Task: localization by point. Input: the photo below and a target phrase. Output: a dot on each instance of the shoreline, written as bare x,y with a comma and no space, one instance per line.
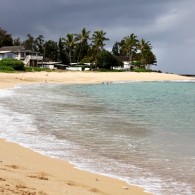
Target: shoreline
40,174
8,80
47,175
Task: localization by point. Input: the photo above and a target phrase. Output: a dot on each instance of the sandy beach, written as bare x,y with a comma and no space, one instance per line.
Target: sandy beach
25,172
12,79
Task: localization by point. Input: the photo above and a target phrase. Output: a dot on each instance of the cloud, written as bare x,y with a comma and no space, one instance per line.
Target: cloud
167,24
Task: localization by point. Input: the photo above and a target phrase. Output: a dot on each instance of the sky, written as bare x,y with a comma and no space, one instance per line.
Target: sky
167,24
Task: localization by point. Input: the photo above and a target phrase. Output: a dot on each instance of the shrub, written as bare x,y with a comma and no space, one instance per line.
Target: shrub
15,64
87,59
6,69
141,70
106,60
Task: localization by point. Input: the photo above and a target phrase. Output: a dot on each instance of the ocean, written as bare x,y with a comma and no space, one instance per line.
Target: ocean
140,132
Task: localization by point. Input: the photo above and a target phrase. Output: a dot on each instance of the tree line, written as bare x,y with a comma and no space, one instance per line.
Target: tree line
86,47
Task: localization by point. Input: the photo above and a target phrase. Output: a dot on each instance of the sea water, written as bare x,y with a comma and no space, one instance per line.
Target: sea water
140,132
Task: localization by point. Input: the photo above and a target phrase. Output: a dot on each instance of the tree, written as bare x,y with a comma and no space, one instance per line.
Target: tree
130,45
62,53
38,44
17,42
147,56
5,38
82,38
98,39
106,60
29,43
144,45
116,49
75,48
90,57
70,43
148,59
51,50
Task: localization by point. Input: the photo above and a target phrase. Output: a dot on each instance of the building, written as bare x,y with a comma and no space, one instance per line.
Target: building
126,63
52,65
7,54
29,57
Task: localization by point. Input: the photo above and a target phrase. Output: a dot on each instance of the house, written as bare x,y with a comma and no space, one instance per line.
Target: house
7,54
52,65
79,67
29,57
75,68
126,63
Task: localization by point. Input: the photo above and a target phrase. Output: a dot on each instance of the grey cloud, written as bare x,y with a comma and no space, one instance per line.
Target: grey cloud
166,24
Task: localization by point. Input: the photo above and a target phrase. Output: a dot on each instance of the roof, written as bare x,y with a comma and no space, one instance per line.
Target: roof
7,52
12,48
123,58
50,63
16,49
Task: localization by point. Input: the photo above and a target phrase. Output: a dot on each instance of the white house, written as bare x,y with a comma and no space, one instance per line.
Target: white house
74,68
29,57
126,63
7,54
52,65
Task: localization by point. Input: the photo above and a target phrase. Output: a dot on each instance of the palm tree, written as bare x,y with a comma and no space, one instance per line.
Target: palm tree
98,39
143,45
70,43
82,38
130,45
145,48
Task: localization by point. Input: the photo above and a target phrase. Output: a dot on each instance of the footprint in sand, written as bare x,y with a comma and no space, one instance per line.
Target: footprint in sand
71,183
13,166
90,189
41,176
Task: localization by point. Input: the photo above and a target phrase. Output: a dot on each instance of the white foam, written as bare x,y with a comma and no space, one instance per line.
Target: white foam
158,81
6,93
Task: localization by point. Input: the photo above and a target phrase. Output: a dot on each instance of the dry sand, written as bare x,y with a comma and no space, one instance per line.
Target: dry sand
10,80
25,172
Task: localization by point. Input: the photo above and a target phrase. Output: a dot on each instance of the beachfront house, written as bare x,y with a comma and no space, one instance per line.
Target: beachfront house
126,63
7,54
29,57
78,67
52,65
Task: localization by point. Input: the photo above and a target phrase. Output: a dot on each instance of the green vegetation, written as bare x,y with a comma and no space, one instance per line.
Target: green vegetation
139,52
106,60
5,38
13,63
142,70
6,69
129,45
87,47
82,39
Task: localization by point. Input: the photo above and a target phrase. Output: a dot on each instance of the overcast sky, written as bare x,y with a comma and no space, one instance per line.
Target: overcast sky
167,24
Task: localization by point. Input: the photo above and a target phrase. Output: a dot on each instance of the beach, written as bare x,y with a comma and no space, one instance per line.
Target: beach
23,171
12,79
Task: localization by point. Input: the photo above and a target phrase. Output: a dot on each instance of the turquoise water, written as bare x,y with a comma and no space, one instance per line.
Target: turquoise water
141,132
